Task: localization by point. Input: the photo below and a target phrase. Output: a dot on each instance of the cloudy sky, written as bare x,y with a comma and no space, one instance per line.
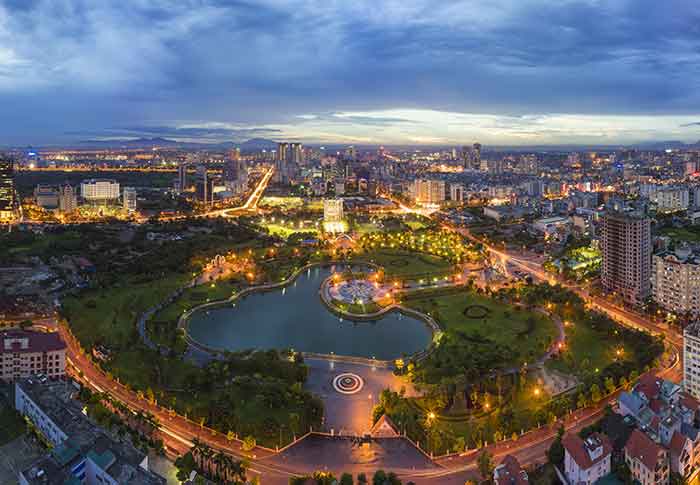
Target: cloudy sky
502,72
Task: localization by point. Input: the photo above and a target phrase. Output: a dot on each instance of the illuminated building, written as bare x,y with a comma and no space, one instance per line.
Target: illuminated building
428,191
24,353
8,196
626,246
333,215
181,184
129,199
46,196
456,192
67,199
205,186
675,281
99,190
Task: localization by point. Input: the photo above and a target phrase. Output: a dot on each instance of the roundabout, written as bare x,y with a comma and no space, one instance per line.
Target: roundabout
348,383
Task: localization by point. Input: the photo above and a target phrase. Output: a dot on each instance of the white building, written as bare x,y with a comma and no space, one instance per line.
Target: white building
333,215
129,199
671,199
675,281
99,190
586,461
24,353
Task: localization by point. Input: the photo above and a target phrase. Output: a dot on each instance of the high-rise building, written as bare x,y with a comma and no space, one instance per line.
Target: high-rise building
129,199
296,153
476,155
67,199
333,215
626,246
8,196
428,191
282,149
205,186
675,281
181,184
456,192
691,359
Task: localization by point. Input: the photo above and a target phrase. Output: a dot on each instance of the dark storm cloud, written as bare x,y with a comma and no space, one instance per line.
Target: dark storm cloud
90,65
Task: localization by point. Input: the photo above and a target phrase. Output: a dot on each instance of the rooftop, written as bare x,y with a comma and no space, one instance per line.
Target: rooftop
24,341
117,457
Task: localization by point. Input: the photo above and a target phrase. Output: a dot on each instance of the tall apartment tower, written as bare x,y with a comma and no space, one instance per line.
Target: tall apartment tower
67,199
181,184
129,199
691,359
626,245
8,196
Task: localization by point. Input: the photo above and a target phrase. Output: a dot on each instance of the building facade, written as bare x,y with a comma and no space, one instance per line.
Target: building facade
129,199
675,281
626,247
691,360
647,461
586,461
428,191
99,190
25,353
67,199
8,196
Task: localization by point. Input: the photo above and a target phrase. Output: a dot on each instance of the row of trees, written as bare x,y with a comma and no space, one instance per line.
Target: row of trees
380,477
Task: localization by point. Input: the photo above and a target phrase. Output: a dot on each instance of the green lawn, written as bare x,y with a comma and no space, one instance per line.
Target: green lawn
399,263
524,331
109,316
588,350
286,231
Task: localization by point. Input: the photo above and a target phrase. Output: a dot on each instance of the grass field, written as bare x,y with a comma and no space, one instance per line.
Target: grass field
286,231
109,316
397,262
523,330
588,350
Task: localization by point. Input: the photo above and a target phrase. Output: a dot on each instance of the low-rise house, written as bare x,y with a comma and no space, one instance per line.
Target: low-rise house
648,461
509,472
586,461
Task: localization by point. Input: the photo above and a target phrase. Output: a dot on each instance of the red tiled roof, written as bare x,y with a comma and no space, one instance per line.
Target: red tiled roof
38,341
511,473
656,405
576,447
689,402
649,385
640,446
677,443
655,421
384,428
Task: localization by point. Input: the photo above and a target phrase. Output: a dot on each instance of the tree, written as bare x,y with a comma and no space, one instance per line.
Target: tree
361,479
249,443
346,479
555,454
609,385
485,464
595,393
379,477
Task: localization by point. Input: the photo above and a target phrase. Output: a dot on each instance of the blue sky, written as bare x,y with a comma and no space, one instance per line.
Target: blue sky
396,71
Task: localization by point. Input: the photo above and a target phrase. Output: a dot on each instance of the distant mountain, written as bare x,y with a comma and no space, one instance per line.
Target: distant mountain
257,144
664,145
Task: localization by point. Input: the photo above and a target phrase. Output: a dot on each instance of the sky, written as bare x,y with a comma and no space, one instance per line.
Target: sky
434,72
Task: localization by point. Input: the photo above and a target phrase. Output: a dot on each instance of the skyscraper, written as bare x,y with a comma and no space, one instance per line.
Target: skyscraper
626,245
476,155
8,197
296,152
129,199
181,184
67,199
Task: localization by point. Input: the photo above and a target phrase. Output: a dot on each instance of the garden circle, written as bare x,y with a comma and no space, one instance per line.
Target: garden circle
476,311
348,383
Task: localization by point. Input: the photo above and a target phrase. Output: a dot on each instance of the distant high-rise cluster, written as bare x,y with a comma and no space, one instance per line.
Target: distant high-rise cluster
289,157
472,156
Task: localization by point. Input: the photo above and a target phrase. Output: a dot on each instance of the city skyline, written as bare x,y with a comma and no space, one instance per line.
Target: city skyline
579,72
